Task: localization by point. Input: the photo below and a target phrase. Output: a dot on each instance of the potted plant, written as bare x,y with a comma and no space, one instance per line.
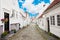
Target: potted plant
3,35
14,30
4,20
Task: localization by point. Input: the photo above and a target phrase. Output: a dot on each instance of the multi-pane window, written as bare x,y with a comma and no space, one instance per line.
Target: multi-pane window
58,20
52,20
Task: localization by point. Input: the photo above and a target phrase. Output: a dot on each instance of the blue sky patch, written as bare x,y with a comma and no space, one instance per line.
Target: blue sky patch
20,2
36,2
25,9
31,15
47,1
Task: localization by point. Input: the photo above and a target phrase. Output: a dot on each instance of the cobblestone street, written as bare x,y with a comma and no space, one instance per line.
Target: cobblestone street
29,33
29,19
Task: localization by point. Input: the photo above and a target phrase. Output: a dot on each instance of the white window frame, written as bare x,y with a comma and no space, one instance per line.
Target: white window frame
58,20
52,18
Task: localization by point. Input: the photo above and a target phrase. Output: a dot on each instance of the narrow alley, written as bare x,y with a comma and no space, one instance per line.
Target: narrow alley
31,33
29,19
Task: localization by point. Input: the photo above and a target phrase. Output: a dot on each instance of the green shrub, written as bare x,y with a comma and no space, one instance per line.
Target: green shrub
4,34
14,30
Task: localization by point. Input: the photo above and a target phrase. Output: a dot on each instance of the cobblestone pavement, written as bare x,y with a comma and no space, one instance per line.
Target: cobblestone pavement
31,33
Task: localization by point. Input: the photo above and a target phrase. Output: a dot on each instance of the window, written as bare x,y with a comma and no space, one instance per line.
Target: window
52,20
12,15
58,20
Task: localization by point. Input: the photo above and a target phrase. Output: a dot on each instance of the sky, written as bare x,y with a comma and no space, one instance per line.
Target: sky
34,7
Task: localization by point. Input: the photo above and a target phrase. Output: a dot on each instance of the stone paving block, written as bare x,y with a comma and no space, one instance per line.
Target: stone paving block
30,33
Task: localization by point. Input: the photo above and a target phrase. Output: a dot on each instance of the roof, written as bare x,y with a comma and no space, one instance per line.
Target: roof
41,16
50,6
53,4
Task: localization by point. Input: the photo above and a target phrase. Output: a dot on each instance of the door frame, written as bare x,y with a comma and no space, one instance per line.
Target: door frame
6,29
48,24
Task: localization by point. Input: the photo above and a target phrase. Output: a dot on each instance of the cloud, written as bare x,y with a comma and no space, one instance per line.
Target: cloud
31,8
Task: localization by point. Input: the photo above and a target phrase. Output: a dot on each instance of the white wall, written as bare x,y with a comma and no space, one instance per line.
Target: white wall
42,23
8,6
1,27
55,29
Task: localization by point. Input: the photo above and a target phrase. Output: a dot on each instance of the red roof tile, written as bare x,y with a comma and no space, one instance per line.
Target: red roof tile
53,4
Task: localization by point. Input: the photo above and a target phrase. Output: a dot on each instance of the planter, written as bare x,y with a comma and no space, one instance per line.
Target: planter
3,35
13,31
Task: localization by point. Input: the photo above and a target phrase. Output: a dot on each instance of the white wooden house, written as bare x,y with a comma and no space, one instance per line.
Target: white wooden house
9,9
49,21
